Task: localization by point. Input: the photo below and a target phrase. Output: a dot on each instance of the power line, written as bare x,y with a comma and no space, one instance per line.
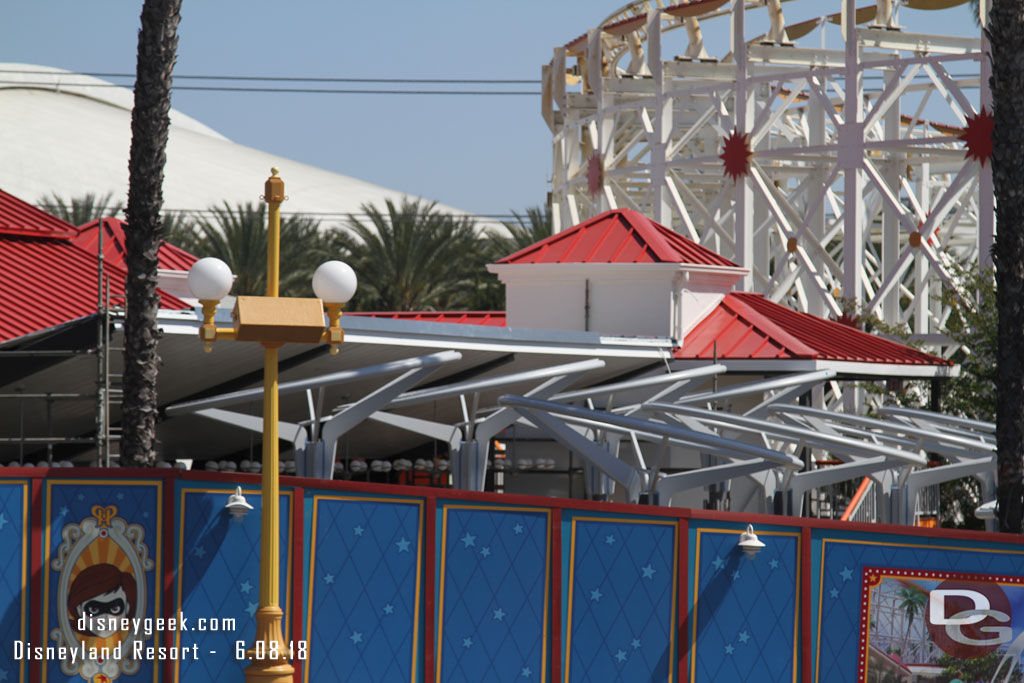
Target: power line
333,91
324,215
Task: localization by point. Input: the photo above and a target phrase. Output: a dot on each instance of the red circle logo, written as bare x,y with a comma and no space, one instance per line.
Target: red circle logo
968,619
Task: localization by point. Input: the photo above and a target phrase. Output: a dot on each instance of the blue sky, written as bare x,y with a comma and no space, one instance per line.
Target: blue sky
488,154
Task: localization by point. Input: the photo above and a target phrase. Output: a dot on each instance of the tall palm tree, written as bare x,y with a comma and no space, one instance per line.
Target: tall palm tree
238,236
158,43
1006,35
413,257
82,209
913,602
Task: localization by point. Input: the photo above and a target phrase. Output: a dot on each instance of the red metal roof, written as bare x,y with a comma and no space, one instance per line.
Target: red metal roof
47,282
48,276
618,236
487,318
747,326
18,217
171,257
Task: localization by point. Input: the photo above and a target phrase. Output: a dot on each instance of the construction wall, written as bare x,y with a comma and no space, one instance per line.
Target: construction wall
387,583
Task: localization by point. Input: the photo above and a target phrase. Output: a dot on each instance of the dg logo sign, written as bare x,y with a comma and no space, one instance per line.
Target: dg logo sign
968,619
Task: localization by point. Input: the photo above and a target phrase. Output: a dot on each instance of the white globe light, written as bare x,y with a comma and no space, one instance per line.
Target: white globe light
210,279
334,282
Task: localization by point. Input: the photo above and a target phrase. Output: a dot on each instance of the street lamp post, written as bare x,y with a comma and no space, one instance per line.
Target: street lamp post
272,321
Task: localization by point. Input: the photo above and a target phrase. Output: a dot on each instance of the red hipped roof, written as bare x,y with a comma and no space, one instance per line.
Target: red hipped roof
48,279
618,236
170,256
747,326
21,218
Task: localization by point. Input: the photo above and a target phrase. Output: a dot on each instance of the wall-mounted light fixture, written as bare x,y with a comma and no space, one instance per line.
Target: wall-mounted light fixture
749,543
237,505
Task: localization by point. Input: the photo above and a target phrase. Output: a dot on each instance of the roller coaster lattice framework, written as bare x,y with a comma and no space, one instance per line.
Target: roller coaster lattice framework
855,175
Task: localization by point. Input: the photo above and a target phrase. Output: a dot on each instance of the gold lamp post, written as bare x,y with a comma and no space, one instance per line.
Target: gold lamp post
272,321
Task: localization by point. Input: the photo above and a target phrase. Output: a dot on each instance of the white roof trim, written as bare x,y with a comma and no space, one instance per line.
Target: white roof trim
841,367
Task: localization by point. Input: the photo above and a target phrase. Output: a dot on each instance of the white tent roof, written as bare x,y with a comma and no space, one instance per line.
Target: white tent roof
70,134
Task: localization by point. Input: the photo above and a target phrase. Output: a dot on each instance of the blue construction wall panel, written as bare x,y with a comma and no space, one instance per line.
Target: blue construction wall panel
14,576
493,592
744,612
219,578
365,591
620,598
102,551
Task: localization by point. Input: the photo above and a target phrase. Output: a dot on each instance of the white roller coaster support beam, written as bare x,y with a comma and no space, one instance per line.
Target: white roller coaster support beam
744,117
859,188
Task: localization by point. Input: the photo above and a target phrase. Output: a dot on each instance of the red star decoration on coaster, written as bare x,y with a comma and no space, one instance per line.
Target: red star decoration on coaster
978,136
736,154
595,174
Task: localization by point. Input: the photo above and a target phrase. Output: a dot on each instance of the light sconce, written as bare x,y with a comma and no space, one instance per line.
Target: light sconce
749,543
209,280
334,282
237,505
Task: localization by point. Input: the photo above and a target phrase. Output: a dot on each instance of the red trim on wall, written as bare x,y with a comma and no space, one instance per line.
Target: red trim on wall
298,541
429,581
429,493
806,570
35,604
683,601
555,604
169,565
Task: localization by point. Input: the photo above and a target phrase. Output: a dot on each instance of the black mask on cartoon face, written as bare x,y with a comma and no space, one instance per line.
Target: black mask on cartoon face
109,606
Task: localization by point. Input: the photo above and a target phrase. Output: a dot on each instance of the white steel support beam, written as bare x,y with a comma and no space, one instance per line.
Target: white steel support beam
851,137
595,454
287,431
743,212
354,413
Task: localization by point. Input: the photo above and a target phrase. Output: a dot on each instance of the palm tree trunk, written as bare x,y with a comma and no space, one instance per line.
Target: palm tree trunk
1006,34
158,43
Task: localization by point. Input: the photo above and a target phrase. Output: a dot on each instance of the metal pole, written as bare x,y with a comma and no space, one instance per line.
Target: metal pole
101,355
269,653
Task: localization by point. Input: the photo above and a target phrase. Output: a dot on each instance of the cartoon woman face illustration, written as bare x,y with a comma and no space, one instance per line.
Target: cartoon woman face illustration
99,597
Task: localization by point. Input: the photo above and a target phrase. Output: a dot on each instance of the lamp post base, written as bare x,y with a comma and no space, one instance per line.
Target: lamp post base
269,653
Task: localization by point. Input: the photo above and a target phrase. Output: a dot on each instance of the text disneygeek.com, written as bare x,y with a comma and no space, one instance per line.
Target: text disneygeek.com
132,643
